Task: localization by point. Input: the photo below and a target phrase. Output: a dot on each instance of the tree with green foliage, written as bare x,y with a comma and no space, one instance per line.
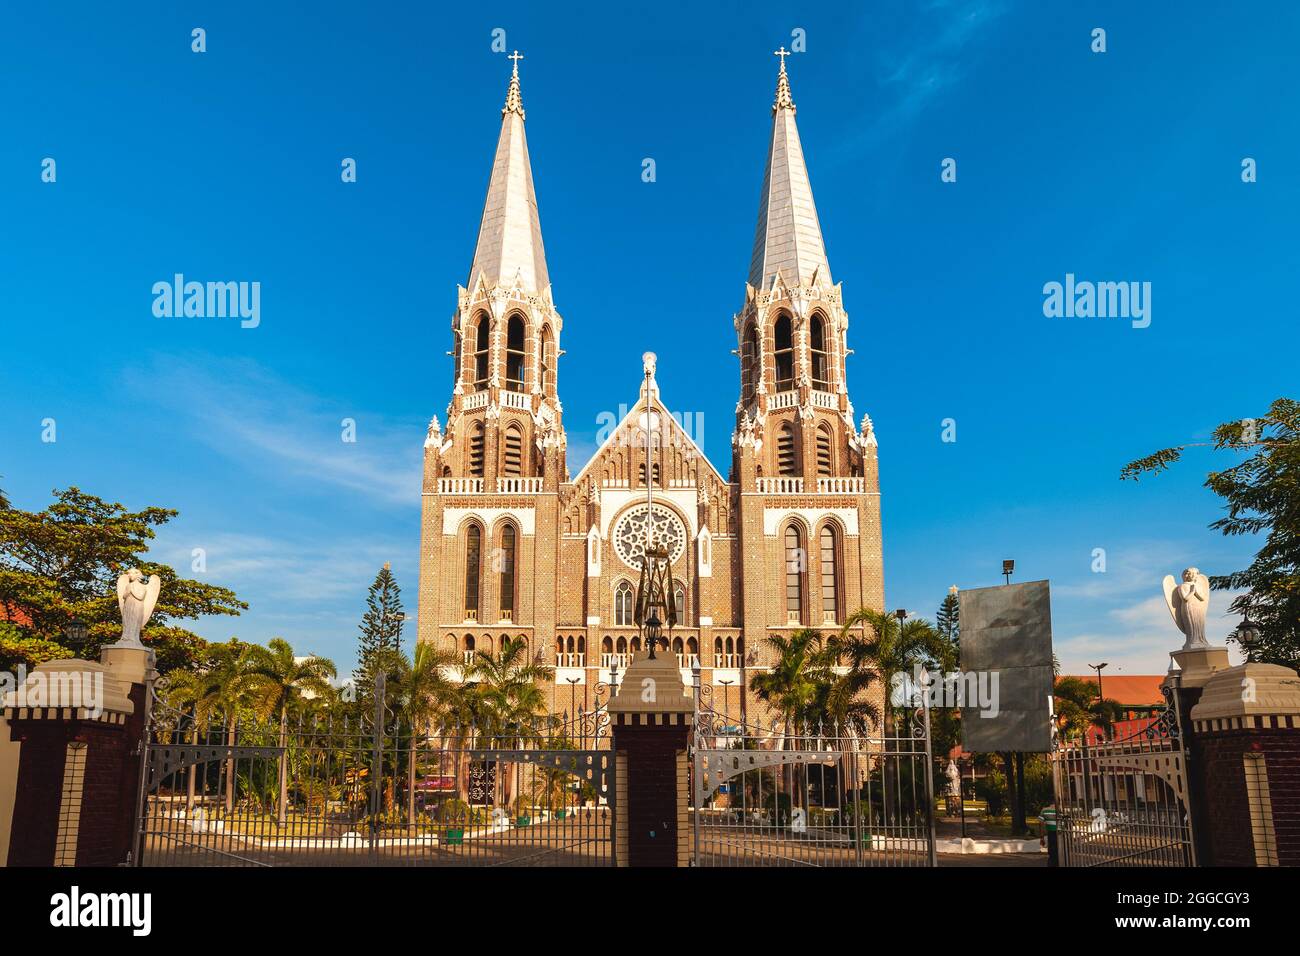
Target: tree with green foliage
62,564
424,694
797,684
1261,496
380,644
1078,707
219,688
278,679
948,619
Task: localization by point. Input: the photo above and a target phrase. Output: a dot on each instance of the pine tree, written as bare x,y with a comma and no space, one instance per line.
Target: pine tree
380,645
948,619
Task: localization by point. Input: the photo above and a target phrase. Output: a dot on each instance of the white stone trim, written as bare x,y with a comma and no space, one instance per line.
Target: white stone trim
773,518
453,517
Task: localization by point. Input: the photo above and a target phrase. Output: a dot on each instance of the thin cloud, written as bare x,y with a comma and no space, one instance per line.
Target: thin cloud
268,425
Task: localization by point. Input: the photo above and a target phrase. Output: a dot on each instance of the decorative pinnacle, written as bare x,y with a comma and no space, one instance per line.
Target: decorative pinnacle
514,103
783,100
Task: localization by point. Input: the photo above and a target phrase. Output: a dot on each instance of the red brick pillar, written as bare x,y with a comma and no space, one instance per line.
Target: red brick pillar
78,725
1245,731
651,717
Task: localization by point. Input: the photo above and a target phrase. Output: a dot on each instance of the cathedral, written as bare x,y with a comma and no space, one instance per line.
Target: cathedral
515,544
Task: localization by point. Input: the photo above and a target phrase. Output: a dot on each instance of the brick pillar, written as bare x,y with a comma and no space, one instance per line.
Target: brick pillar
1245,766
78,724
1196,667
651,717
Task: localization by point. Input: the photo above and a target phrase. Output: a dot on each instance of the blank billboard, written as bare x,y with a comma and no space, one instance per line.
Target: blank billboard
1006,634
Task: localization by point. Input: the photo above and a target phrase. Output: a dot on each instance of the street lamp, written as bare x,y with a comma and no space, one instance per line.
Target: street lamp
1248,638
75,633
1008,568
726,697
1099,668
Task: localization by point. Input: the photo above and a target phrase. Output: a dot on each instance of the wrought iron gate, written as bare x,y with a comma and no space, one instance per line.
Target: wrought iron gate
810,796
1125,802
329,789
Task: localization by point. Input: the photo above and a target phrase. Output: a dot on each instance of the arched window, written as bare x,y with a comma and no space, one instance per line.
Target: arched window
623,605
750,366
678,647
795,562
473,556
469,643
654,471
692,646
817,340
548,362
825,457
512,455
830,576
784,354
679,599
477,446
508,573
481,349
515,354
786,462
457,345
622,645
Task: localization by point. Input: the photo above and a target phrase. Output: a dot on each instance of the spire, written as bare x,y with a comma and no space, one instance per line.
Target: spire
510,234
789,237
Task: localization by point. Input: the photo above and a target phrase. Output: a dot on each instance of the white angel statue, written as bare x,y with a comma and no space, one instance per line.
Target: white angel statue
136,600
1188,603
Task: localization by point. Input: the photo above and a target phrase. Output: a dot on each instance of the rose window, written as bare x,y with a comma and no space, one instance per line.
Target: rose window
666,532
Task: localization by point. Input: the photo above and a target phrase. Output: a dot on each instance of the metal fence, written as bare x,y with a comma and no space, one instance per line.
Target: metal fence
329,789
810,796
1125,802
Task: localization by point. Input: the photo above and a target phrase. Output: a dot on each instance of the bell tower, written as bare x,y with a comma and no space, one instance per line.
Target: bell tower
503,421
794,418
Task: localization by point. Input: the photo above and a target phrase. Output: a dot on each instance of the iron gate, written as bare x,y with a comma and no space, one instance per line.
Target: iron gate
1125,802
810,796
334,790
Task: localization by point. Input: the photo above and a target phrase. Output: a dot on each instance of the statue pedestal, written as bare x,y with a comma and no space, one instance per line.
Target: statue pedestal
1198,665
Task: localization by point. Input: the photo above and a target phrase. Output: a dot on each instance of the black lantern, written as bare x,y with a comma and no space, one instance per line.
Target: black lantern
75,633
1248,638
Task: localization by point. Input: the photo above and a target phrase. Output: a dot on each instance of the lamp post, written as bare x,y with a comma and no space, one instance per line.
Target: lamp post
1099,668
1008,568
74,632
573,695
726,697
1248,638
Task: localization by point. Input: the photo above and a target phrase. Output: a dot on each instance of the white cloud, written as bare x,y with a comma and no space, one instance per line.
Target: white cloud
268,425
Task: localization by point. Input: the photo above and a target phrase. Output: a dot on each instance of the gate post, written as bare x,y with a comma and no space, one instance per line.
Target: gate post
1246,734
79,726
650,717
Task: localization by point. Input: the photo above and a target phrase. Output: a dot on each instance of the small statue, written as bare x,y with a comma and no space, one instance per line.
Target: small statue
136,600
954,779
1188,603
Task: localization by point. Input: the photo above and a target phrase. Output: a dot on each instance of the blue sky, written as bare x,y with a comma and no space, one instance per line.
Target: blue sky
225,166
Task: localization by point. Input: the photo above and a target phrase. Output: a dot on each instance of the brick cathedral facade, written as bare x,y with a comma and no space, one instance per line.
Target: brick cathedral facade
515,545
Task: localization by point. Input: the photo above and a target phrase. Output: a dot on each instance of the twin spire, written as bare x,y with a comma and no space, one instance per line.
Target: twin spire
509,252
788,240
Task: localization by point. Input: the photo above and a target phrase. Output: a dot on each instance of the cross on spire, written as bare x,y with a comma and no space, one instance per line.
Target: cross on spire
516,56
782,53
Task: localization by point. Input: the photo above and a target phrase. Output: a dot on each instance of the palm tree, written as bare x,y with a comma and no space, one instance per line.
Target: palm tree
875,645
1078,707
797,681
424,693
507,694
277,679
220,688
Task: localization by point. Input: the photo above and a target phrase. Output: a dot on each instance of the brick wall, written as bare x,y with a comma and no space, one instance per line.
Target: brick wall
1219,783
650,786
